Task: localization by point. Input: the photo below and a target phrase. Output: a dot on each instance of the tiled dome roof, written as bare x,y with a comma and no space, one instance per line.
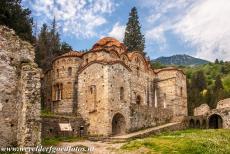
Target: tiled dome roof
109,43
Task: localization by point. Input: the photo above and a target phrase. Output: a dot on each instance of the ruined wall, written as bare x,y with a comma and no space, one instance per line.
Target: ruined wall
223,103
19,92
51,128
145,116
203,109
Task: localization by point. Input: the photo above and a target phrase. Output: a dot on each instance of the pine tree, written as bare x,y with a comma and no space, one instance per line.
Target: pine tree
14,16
133,39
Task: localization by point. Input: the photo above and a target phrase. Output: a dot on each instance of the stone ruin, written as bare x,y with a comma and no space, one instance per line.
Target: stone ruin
19,92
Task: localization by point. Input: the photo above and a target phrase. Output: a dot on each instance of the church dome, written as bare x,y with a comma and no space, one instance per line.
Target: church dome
109,43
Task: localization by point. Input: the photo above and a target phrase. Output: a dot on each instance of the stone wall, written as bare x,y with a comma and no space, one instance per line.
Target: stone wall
144,117
172,92
93,98
51,128
223,103
203,109
19,92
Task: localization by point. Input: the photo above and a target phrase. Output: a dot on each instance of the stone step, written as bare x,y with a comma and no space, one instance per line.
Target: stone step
150,131
142,133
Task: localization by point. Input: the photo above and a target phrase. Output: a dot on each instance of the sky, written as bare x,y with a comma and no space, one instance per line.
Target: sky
200,28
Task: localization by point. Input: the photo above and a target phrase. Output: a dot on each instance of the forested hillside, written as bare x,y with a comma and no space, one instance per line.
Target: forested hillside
207,83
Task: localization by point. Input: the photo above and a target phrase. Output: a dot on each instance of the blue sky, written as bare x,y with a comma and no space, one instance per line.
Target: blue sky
200,28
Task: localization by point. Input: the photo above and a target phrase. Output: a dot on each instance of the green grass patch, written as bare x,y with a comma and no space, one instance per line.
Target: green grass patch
57,140
190,141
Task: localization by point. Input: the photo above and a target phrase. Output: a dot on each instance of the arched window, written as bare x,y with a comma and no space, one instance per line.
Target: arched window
138,71
57,73
138,99
164,100
181,91
58,91
70,71
121,93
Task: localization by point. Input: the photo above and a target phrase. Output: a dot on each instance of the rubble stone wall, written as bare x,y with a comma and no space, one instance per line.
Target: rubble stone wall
19,92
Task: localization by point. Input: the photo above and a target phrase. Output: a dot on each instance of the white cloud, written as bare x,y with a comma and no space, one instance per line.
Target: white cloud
156,34
117,31
204,24
207,26
80,18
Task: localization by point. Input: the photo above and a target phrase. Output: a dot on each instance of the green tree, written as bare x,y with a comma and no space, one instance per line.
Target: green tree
65,47
216,61
42,47
133,39
218,83
14,16
49,46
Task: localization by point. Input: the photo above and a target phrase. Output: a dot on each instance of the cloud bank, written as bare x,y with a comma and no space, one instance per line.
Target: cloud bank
204,24
80,18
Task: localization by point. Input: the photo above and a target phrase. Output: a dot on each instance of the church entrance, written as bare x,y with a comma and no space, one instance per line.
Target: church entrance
118,124
215,121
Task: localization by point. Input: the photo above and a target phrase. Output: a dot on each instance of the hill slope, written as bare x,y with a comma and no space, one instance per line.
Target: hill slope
185,60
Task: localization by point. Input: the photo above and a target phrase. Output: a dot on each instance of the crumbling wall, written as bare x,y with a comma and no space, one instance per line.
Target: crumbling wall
19,92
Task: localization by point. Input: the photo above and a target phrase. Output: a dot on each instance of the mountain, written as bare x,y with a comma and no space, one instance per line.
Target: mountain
184,60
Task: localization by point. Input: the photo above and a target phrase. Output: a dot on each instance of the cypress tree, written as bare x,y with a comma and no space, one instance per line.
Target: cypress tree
133,39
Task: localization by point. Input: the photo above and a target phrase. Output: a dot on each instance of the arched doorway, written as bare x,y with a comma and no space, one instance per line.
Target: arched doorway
215,121
198,124
191,123
118,124
204,124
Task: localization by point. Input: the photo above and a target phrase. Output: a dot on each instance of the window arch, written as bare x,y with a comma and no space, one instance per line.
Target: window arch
138,99
70,71
121,93
58,91
57,73
138,71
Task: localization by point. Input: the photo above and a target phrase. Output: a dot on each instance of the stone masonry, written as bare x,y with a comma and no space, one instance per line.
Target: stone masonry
19,92
113,90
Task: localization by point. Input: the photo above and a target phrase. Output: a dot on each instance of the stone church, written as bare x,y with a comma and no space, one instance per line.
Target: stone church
114,91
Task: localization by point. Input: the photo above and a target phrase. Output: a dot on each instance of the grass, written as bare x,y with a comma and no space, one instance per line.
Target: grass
56,140
192,141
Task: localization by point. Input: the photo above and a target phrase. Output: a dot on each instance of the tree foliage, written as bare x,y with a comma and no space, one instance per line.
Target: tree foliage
208,84
49,46
133,39
14,16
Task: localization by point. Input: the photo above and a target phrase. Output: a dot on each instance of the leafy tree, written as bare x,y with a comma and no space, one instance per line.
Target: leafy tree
133,39
14,16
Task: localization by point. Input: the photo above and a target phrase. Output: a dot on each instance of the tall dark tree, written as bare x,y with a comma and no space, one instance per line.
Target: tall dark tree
218,83
14,16
133,39
48,46
42,47
198,81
